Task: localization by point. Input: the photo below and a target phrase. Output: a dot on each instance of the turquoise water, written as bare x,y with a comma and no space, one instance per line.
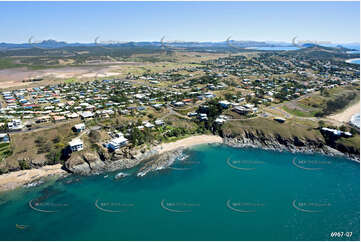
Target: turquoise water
215,193
356,61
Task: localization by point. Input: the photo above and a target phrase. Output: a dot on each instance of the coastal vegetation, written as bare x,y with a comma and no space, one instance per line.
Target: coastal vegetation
5,151
324,102
270,98
36,148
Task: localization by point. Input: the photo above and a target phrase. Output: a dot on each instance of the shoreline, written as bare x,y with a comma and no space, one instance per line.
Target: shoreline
350,61
188,142
15,179
327,150
346,115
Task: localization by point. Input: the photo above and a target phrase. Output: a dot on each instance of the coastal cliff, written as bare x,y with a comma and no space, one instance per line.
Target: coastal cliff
88,162
92,162
150,158
273,141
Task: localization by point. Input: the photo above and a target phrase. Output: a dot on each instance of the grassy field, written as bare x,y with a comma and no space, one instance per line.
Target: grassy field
299,113
70,80
291,128
6,63
353,141
306,130
325,104
5,150
35,146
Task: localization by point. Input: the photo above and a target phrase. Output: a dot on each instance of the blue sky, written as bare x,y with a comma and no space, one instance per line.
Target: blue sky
185,21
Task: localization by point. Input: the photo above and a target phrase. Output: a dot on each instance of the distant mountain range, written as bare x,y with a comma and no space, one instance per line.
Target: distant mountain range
53,44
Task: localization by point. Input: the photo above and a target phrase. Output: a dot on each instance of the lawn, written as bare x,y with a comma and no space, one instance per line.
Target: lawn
318,104
298,112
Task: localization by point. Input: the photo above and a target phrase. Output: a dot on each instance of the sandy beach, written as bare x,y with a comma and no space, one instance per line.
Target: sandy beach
188,142
346,115
15,179
351,60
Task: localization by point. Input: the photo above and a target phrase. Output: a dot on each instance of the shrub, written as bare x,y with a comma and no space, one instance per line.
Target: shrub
24,165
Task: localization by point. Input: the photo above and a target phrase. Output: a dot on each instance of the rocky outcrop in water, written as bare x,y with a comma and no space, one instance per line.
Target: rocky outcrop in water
159,162
93,162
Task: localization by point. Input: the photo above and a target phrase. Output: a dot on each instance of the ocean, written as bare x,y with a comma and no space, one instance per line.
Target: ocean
355,120
355,61
212,192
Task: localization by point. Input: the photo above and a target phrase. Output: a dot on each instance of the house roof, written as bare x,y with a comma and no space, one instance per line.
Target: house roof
75,142
79,126
119,140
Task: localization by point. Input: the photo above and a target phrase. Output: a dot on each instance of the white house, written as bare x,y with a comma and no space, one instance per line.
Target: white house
336,132
203,116
224,103
72,115
86,114
79,127
148,125
192,114
116,143
179,104
119,134
159,122
15,124
221,119
76,145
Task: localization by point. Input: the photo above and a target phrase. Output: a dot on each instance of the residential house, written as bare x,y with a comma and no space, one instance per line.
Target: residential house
79,127
86,114
116,143
15,124
4,138
76,145
159,122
